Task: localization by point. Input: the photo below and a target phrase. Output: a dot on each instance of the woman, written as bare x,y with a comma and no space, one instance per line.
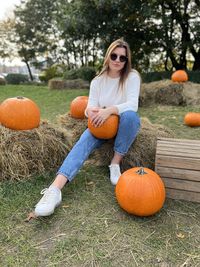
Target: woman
114,91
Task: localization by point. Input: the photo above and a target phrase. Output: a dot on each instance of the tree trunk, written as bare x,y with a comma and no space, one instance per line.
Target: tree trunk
29,70
196,65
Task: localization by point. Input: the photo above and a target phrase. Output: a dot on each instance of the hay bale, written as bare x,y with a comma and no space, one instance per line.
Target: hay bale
31,152
75,126
141,153
171,95
148,91
191,92
167,92
56,83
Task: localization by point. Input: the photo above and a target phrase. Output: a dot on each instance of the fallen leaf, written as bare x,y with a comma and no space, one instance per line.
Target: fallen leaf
31,216
65,206
90,183
180,235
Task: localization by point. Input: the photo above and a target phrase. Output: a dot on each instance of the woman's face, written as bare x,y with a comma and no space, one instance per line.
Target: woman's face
117,59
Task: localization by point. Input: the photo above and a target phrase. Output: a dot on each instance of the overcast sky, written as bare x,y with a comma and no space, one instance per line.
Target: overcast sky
6,7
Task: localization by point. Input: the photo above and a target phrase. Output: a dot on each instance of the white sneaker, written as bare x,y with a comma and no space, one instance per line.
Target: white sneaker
115,173
47,204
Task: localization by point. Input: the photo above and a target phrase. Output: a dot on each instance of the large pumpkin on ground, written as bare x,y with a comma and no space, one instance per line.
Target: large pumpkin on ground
107,130
179,76
140,191
192,119
78,106
19,113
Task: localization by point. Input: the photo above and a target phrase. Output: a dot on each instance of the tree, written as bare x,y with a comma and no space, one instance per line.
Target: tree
178,31
35,32
7,48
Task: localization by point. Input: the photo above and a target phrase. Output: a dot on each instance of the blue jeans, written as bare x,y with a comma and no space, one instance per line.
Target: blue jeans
129,125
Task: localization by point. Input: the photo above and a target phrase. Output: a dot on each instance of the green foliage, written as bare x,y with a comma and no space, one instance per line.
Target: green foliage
52,72
194,76
2,81
71,74
85,73
16,78
155,76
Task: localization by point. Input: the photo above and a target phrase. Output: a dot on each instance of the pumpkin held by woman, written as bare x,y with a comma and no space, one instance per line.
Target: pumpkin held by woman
179,76
107,130
19,113
140,191
78,106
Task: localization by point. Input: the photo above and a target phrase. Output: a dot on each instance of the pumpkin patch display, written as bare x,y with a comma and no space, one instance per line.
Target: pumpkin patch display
107,130
78,106
179,76
192,119
140,191
19,113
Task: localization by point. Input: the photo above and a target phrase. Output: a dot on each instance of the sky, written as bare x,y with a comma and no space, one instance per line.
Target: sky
6,7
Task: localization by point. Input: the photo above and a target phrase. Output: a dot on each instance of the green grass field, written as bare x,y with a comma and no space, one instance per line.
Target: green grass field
89,228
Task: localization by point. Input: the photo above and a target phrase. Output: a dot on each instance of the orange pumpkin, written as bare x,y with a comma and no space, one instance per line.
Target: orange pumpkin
78,106
192,119
19,113
179,76
140,191
107,130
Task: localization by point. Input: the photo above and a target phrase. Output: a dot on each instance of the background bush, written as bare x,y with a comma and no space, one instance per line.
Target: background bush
85,73
2,81
50,73
16,78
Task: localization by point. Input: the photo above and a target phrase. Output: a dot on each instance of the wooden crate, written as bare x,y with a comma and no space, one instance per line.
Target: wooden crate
178,164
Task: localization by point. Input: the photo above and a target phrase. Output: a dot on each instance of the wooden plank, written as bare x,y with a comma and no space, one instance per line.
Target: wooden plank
178,173
184,195
177,162
175,145
173,140
178,153
181,184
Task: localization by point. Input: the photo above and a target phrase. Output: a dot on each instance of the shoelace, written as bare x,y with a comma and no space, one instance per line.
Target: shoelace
46,194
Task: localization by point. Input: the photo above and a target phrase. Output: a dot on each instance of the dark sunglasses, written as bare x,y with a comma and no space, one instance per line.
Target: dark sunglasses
114,56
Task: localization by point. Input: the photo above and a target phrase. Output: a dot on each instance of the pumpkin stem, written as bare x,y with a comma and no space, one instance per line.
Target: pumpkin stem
141,171
19,97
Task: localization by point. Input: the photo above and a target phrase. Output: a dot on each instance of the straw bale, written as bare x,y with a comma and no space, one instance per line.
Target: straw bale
141,153
67,84
31,152
167,92
75,126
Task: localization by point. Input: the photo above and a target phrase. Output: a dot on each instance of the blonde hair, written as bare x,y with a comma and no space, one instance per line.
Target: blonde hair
127,66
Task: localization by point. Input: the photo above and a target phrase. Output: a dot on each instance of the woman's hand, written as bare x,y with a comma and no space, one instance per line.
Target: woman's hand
92,112
100,116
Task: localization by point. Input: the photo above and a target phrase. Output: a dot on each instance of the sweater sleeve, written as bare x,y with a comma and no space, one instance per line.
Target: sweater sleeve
93,96
132,90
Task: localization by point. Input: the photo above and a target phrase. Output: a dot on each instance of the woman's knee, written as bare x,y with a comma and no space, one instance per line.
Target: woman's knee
130,117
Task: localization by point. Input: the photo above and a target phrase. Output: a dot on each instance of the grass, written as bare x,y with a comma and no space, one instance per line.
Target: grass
50,102
89,228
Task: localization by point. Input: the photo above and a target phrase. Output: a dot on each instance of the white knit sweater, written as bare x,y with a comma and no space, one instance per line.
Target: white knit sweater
104,92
